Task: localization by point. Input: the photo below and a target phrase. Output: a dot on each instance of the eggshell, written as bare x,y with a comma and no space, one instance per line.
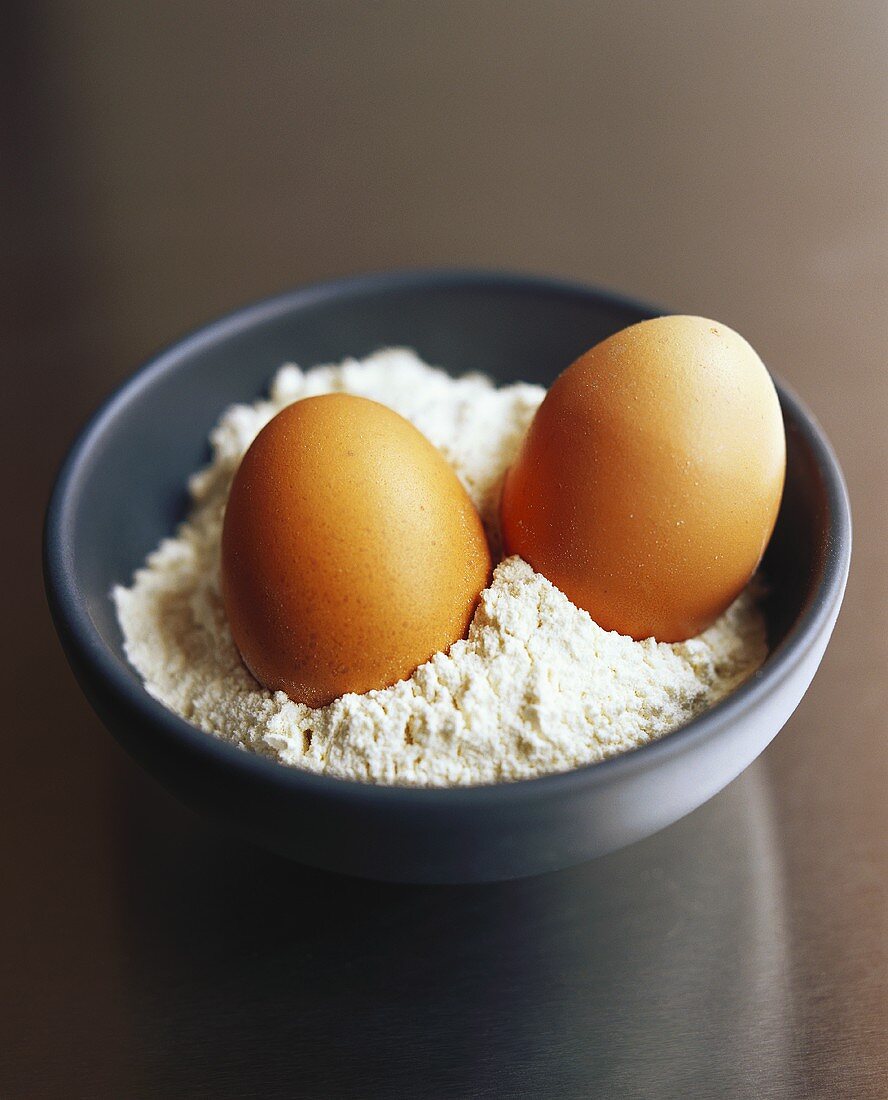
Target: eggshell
351,552
649,482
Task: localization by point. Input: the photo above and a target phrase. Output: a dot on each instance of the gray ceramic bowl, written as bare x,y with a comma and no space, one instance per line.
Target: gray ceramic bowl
122,489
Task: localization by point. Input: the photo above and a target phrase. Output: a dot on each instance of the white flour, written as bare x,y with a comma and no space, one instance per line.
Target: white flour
536,686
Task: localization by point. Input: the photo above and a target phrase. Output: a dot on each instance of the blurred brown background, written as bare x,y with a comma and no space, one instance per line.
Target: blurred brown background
164,162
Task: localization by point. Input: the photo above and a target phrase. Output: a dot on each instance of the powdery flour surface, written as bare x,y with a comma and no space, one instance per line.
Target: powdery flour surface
536,687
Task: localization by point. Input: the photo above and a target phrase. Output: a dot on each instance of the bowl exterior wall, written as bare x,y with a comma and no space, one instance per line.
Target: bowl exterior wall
464,842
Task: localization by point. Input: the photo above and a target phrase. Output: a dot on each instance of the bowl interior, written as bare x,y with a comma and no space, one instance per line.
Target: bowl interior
129,491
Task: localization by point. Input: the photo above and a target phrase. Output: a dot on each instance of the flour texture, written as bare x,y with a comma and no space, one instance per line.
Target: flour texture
536,687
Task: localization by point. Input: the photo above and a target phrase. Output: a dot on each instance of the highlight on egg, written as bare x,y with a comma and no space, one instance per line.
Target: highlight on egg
351,552
648,484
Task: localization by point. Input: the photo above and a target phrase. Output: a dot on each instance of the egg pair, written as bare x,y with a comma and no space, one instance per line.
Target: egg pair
646,489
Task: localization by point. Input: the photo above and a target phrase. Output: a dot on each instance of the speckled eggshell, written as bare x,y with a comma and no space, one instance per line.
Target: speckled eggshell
351,552
649,482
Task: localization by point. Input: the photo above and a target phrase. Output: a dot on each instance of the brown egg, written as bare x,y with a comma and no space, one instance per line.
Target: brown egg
350,550
648,484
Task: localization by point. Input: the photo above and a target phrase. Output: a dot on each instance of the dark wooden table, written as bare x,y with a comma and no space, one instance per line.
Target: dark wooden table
162,163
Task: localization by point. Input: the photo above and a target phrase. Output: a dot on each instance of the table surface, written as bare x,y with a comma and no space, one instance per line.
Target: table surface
163,163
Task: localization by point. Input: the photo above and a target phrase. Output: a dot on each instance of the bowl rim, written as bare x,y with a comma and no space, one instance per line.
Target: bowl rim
81,638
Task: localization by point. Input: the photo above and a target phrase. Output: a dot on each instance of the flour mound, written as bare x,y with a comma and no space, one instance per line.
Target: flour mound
536,687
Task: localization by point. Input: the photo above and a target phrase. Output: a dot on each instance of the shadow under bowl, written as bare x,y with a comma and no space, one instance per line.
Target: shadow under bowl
122,489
